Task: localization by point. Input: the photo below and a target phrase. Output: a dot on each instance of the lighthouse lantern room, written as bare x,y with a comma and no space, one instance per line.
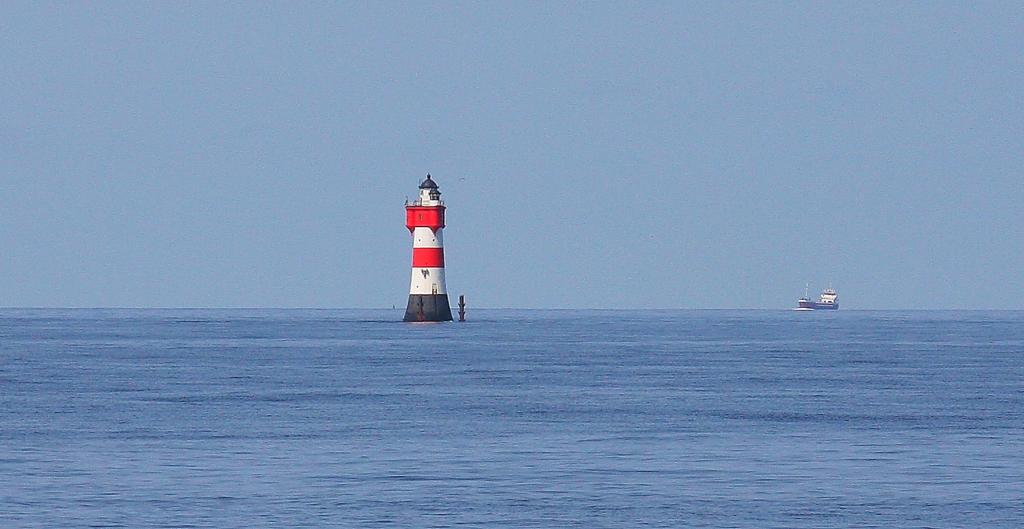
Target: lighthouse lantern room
428,297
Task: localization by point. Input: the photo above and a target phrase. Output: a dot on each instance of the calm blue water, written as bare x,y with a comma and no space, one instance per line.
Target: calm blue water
292,418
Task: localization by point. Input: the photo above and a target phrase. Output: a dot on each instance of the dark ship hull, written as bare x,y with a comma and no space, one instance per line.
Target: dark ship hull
814,305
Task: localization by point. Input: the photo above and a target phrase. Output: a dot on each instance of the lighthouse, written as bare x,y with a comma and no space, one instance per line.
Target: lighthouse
428,298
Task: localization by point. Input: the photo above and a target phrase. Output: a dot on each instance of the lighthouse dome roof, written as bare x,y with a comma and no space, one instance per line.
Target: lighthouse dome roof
428,183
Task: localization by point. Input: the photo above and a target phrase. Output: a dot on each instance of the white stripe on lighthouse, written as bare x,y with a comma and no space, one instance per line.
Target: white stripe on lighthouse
426,238
427,281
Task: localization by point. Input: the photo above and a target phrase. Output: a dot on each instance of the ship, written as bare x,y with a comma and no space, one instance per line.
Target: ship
827,301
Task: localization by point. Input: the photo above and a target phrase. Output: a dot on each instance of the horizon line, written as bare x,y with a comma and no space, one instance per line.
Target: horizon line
396,308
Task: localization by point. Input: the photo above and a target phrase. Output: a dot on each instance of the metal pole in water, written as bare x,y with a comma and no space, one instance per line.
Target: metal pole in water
462,307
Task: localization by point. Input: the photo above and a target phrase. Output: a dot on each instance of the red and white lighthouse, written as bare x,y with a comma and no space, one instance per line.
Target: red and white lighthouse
428,298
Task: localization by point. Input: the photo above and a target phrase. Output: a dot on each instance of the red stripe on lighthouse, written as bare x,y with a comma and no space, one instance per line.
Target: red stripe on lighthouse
428,257
424,217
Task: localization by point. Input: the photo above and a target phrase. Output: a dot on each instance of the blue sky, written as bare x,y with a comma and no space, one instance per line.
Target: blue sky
654,154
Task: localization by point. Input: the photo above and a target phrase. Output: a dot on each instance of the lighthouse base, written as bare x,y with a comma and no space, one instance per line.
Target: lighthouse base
428,307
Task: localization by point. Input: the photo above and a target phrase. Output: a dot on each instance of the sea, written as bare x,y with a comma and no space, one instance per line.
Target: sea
512,419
